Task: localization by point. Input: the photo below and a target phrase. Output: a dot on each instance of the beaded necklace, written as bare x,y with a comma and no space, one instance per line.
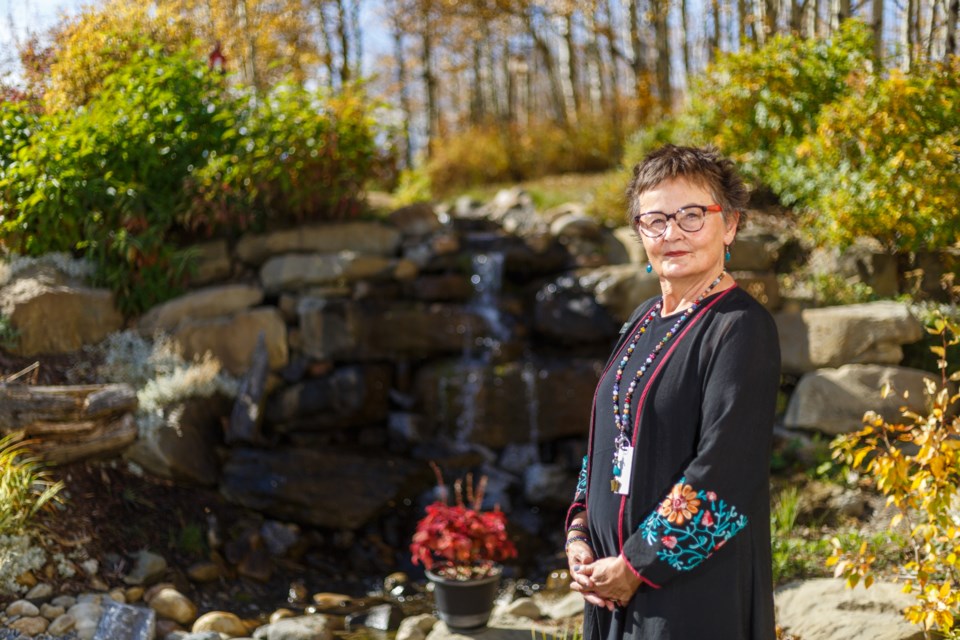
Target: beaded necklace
621,417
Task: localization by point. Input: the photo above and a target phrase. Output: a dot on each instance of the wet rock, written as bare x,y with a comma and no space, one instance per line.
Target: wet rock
330,602
548,484
568,314
222,622
348,396
306,486
279,536
619,288
345,330
148,568
118,595
64,601
537,400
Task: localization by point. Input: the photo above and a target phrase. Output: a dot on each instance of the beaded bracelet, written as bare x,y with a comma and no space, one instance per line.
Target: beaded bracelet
571,539
576,526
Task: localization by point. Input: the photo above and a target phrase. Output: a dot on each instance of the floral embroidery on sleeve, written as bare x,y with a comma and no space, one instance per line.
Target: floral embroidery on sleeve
691,525
582,481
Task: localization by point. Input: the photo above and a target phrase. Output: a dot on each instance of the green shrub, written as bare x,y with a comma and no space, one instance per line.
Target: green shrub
107,180
755,105
293,156
892,149
164,153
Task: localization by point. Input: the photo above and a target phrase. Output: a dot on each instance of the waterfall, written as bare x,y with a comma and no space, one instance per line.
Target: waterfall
478,351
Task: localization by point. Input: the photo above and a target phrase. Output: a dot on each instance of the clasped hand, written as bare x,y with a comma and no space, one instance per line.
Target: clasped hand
607,582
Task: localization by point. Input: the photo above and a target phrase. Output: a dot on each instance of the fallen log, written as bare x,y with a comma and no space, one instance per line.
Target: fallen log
68,423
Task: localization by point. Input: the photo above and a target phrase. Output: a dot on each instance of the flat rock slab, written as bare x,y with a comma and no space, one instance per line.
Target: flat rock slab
824,609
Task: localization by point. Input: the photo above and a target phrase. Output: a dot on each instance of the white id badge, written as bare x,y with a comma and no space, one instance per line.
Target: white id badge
626,470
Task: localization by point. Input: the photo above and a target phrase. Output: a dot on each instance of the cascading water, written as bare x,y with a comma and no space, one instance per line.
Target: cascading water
487,280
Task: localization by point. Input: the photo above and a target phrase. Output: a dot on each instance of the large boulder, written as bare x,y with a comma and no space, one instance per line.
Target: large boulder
182,445
232,339
53,318
309,486
620,288
210,302
363,237
347,397
213,262
539,400
294,271
347,330
834,400
567,313
870,333
824,609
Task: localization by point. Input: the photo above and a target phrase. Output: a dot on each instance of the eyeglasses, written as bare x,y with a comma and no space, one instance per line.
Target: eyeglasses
653,224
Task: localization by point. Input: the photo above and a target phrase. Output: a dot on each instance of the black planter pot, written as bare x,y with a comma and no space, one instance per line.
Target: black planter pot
464,604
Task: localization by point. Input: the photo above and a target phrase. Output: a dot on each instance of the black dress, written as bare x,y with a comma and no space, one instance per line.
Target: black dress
696,523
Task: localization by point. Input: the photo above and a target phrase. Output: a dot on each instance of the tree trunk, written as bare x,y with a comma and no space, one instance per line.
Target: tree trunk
771,17
715,38
845,11
401,59
953,16
933,36
684,31
877,24
357,39
327,44
660,9
553,77
743,22
636,45
476,90
429,81
342,31
569,64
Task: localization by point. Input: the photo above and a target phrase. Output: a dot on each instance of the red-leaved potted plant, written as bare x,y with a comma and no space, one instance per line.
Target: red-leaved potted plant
461,546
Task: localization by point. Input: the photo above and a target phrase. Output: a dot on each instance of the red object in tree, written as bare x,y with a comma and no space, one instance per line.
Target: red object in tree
217,60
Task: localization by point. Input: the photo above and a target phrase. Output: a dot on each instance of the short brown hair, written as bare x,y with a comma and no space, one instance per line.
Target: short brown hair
704,167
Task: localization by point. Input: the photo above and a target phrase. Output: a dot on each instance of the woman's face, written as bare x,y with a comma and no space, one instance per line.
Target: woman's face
685,255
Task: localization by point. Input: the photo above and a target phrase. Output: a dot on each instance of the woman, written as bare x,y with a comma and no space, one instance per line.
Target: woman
669,534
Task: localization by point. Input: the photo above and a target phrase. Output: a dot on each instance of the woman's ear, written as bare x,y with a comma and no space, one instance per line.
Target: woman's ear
730,223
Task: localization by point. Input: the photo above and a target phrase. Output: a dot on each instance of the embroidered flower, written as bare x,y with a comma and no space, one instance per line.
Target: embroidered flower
680,505
689,527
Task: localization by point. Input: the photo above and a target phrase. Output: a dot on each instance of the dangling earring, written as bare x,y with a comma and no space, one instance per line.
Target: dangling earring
650,267
726,254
